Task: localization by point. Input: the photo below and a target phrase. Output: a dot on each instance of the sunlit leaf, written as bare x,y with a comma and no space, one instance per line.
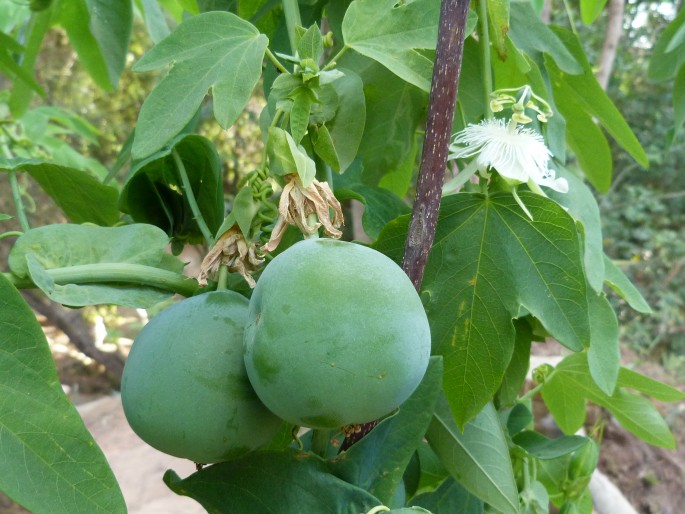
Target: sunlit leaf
478,457
214,50
618,281
50,463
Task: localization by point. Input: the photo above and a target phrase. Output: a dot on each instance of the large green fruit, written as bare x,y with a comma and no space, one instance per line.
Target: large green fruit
336,335
184,387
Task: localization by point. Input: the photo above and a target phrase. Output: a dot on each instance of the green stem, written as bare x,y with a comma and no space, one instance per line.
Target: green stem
485,55
275,61
291,10
529,395
334,60
126,273
190,196
11,233
320,440
311,221
18,202
222,282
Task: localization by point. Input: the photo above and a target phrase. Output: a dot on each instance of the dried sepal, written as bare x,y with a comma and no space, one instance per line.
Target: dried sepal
297,203
233,251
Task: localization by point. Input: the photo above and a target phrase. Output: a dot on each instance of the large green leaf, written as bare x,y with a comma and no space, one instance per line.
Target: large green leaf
450,498
543,448
377,462
154,192
287,482
99,31
214,50
80,196
604,354
498,19
48,460
347,127
489,262
381,204
478,457
657,390
668,55
617,280
85,265
566,391
11,69
394,109
679,100
587,141
584,89
21,96
582,205
392,33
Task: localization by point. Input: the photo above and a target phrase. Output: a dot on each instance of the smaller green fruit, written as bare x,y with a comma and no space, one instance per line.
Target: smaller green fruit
184,388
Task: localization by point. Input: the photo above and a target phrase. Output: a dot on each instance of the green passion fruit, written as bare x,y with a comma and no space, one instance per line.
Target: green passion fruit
336,335
184,387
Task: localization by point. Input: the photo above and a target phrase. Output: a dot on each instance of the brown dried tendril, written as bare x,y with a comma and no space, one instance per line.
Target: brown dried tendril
231,250
297,203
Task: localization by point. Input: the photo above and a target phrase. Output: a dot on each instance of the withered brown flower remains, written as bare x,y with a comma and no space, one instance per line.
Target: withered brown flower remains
297,203
233,251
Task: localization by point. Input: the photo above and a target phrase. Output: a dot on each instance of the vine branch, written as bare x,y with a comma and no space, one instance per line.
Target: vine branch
448,55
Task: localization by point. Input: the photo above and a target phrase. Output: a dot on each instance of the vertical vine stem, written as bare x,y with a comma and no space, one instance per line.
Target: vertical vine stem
192,202
18,202
291,10
424,218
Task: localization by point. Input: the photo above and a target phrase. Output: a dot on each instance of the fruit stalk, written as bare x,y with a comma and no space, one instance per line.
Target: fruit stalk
448,56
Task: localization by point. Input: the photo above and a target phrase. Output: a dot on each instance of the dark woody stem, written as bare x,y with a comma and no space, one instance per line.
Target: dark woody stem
448,56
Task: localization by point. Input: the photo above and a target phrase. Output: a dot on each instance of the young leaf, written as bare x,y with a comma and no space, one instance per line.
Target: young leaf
266,481
478,457
214,50
587,92
286,156
450,498
302,98
50,463
4,217
47,253
99,31
323,146
80,196
567,389
604,354
489,261
393,34
377,462
618,281
310,45
154,192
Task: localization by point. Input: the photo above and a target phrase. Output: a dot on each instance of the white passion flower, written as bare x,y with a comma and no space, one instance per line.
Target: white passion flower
518,154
